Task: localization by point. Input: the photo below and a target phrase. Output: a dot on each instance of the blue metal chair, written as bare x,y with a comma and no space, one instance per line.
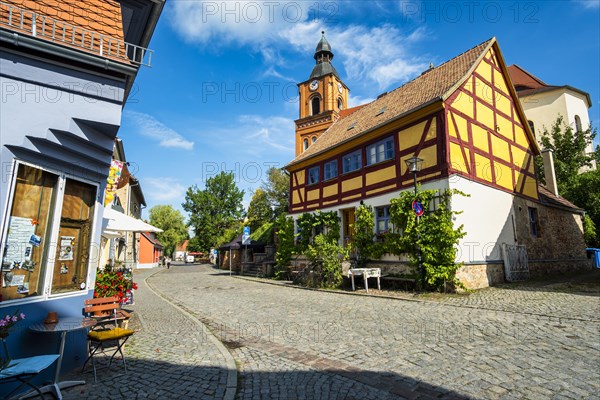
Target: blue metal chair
23,370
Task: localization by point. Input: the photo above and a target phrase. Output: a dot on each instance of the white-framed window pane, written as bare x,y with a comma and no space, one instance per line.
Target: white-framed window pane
28,234
74,237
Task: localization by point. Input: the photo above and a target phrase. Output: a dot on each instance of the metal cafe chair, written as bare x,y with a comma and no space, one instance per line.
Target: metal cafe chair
23,370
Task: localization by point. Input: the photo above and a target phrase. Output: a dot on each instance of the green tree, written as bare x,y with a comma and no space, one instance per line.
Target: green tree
277,189
172,223
213,210
569,146
259,210
364,228
582,189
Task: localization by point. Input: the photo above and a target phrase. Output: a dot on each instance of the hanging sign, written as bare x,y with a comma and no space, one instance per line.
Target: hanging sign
417,207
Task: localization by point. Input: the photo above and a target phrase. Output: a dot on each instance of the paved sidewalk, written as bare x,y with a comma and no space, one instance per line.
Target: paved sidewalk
172,356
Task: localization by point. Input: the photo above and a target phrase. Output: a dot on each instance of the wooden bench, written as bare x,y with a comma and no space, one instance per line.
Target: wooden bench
405,283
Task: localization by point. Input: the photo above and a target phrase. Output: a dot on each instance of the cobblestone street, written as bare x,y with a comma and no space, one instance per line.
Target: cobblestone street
499,343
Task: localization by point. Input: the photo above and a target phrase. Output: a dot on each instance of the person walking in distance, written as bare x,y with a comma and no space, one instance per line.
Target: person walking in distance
168,262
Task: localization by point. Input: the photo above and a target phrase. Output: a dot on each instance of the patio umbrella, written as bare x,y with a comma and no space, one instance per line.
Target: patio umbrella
114,222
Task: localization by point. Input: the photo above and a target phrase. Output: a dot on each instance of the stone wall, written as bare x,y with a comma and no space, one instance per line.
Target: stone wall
480,276
235,260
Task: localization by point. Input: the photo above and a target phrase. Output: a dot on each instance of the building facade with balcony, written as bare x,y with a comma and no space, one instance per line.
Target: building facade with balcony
66,69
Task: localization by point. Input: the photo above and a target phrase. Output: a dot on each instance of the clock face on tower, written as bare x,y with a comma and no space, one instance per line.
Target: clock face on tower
314,85
340,87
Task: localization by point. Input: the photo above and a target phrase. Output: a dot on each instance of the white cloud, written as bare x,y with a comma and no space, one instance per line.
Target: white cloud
241,21
161,190
150,127
357,100
268,131
589,4
370,55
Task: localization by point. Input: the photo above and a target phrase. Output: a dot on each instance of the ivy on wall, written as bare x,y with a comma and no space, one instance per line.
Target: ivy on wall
433,233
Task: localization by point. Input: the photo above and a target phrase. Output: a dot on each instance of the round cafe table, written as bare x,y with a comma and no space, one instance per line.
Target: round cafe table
63,326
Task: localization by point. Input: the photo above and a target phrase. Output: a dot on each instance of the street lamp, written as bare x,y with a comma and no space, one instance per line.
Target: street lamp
414,165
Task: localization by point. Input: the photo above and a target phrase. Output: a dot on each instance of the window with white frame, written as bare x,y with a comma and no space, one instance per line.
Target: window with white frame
47,237
380,151
313,175
352,162
330,170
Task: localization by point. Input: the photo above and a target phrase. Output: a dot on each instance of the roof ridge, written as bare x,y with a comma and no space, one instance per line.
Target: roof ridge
409,97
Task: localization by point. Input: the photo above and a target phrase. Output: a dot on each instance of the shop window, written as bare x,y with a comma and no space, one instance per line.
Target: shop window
26,238
30,246
73,245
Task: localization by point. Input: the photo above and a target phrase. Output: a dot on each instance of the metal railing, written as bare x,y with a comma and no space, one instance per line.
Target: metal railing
42,26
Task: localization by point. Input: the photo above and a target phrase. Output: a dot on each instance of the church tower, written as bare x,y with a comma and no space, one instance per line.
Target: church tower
322,97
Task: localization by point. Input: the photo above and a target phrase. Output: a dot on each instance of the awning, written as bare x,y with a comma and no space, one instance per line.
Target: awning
115,222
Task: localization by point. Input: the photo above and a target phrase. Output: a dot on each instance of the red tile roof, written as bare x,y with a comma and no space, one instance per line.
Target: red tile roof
523,79
434,84
99,16
548,198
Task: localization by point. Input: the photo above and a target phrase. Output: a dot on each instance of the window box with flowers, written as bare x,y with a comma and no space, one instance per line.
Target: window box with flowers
110,282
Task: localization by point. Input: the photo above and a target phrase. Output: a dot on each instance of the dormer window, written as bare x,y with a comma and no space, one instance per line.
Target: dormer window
315,105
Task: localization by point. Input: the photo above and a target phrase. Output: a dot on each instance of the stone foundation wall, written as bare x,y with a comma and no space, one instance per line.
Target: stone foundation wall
480,276
235,260
540,269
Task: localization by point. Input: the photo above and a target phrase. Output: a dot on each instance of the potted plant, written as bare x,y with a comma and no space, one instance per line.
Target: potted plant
111,283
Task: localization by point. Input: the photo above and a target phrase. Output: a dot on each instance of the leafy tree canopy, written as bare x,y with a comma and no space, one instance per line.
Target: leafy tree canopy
277,190
570,157
569,147
213,210
172,222
259,210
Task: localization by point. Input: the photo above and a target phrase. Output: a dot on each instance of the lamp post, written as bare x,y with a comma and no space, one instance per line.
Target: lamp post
414,165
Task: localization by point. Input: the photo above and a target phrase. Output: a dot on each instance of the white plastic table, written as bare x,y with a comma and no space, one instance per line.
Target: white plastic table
366,273
63,326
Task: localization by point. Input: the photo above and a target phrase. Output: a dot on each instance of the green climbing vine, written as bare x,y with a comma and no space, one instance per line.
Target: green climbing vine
286,247
310,225
434,233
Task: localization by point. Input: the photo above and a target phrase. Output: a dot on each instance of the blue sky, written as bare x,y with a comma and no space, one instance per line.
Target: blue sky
221,93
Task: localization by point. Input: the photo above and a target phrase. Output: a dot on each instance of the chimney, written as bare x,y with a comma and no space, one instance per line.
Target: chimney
548,158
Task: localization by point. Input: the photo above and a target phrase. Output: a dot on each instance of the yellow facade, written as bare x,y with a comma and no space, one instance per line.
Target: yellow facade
502,147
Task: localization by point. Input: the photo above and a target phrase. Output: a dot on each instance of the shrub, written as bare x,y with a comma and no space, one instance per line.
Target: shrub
325,257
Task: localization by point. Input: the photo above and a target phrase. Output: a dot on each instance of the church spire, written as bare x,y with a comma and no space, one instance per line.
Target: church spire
323,51
323,56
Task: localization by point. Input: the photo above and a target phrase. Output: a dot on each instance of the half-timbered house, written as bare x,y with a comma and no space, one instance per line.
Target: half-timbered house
464,119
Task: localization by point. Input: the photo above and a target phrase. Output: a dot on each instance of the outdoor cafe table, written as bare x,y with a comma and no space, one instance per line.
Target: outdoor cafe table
63,326
366,273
